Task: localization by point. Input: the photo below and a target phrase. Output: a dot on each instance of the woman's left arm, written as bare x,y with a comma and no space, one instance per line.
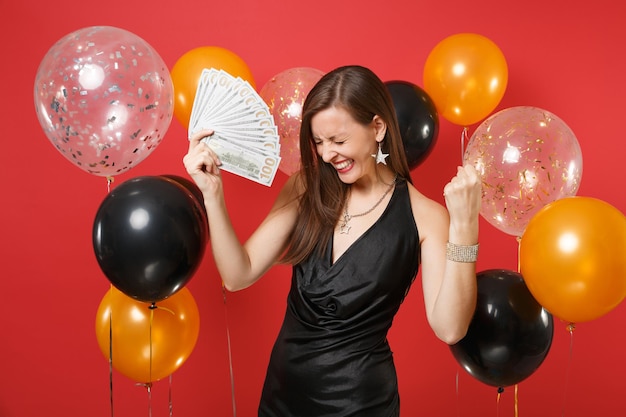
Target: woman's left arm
448,248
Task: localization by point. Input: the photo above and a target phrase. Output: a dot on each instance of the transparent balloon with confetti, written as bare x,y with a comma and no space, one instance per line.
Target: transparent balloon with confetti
284,94
104,98
527,157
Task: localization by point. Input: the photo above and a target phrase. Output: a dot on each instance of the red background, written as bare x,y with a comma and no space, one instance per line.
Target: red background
565,57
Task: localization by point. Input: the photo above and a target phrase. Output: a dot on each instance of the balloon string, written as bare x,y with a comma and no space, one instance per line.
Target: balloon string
149,384
149,389
516,401
570,328
111,354
519,244
500,391
230,356
154,307
171,407
464,139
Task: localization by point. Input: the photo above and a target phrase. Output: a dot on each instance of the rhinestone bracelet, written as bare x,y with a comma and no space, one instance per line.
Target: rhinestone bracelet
461,253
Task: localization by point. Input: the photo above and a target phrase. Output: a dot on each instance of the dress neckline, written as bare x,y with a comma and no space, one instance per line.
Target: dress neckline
329,254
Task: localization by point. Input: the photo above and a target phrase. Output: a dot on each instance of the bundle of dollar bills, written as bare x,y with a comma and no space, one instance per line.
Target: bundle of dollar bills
245,136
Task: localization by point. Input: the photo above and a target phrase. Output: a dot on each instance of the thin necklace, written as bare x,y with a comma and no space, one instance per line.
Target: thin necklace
344,227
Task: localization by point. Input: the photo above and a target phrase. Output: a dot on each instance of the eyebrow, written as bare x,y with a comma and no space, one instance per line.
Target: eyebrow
343,136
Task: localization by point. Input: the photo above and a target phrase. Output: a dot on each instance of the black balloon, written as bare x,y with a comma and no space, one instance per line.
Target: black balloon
191,187
417,118
149,237
510,334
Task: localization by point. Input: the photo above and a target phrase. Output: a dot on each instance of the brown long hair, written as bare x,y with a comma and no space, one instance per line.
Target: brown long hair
360,92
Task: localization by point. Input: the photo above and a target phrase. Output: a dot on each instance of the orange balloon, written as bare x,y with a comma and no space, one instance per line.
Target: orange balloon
188,69
148,344
465,75
573,258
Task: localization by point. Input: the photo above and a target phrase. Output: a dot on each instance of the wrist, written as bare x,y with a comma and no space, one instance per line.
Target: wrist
461,253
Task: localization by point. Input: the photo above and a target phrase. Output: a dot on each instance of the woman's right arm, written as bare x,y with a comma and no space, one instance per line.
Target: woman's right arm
239,265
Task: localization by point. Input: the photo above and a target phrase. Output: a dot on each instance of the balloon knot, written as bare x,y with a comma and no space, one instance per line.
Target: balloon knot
500,390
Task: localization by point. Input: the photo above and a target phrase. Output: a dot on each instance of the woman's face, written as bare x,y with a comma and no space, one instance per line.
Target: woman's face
346,144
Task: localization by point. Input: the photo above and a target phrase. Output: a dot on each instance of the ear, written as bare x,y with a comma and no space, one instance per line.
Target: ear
380,127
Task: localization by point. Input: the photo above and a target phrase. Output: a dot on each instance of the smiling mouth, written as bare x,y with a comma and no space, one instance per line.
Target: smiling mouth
343,165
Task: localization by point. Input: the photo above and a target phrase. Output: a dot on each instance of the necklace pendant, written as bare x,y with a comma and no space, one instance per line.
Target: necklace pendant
344,228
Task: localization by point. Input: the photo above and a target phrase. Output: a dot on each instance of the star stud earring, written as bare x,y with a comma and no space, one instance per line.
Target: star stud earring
380,156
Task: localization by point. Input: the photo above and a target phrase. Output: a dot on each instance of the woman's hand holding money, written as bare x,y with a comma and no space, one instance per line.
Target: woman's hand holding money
202,164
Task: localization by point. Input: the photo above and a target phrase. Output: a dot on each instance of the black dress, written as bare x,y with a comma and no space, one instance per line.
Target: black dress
331,357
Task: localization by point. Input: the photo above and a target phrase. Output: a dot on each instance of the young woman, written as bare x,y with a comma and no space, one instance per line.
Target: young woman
355,230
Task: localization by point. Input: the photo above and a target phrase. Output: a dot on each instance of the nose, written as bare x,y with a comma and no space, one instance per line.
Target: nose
327,151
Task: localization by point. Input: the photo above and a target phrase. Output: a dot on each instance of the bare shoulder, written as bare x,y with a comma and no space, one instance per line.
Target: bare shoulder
286,202
430,216
292,189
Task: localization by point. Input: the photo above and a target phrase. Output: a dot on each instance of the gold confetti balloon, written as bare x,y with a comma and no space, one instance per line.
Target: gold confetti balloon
104,98
284,94
527,157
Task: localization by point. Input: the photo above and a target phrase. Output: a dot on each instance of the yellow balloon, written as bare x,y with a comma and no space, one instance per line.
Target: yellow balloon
573,258
148,343
466,76
187,71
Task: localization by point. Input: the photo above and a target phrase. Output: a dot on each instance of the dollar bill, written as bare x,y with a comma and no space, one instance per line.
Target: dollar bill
252,164
245,136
